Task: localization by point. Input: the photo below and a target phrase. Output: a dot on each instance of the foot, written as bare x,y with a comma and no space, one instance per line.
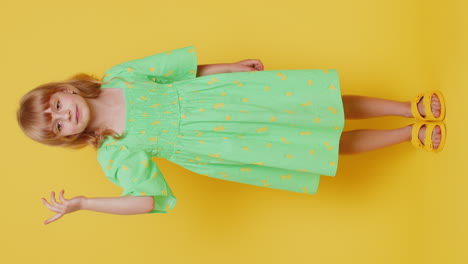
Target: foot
435,107
435,135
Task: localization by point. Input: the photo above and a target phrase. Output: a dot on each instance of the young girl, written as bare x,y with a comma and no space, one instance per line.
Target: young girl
277,129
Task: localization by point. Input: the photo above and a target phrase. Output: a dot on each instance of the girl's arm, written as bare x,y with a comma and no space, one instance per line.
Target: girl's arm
125,205
113,205
240,66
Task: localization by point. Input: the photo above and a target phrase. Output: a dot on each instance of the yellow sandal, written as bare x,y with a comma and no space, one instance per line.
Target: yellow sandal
427,99
428,139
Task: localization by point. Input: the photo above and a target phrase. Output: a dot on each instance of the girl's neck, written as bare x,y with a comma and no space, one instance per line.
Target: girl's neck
104,111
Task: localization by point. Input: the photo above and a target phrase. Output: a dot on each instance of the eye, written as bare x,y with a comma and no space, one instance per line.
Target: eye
57,105
59,126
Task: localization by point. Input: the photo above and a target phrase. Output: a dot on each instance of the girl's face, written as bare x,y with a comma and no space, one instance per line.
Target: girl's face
70,113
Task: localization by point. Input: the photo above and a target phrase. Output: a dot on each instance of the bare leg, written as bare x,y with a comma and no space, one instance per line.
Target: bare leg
362,140
359,107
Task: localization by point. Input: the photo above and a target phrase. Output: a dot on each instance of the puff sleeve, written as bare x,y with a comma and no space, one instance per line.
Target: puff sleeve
138,174
164,67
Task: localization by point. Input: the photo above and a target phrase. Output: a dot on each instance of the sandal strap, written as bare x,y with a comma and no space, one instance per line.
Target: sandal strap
430,128
414,106
443,136
442,106
415,135
427,100
428,144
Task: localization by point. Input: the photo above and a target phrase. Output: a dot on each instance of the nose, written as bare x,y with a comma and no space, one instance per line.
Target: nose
64,115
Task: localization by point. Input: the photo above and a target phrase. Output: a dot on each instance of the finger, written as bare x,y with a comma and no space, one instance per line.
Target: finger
260,66
50,207
52,198
256,64
56,204
53,218
249,63
62,199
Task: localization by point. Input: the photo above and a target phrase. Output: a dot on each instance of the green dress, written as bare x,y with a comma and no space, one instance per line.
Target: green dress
277,129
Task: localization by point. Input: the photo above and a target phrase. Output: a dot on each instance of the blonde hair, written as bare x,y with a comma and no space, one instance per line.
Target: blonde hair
35,123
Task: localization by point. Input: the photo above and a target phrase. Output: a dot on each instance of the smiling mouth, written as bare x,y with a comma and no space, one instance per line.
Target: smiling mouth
77,114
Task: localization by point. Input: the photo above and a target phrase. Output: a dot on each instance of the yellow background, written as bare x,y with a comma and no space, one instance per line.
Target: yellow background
394,205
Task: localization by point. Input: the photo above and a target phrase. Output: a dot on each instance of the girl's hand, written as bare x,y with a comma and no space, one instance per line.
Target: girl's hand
67,206
247,65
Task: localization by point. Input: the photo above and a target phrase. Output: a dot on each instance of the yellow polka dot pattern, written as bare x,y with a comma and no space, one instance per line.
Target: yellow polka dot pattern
221,128
283,77
213,80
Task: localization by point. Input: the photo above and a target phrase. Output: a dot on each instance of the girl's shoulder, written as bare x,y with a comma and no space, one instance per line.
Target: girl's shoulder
112,153
107,147
163,66
119,149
